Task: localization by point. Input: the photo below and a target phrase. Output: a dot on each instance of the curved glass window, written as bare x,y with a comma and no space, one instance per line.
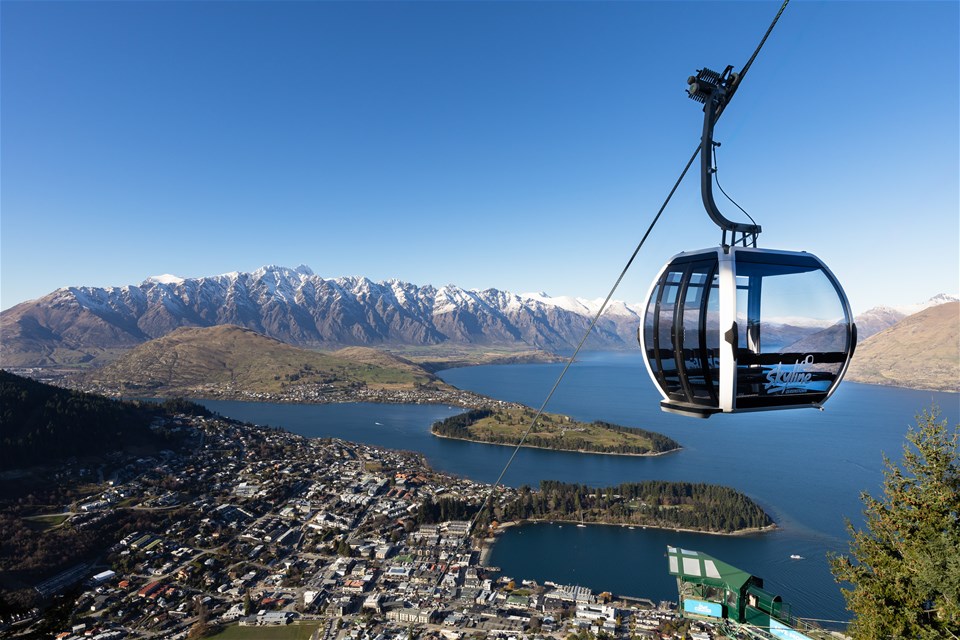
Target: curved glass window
681,331
793,330
786,340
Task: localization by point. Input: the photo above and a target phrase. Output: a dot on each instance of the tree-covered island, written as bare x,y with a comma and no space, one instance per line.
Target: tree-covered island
552,431
705,508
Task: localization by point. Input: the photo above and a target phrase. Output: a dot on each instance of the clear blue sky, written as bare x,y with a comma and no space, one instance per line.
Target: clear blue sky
521,146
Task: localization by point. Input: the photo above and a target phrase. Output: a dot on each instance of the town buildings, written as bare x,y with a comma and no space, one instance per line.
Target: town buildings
257,526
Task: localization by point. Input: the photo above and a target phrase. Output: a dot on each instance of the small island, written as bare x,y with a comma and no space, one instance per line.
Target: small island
704,508
552,431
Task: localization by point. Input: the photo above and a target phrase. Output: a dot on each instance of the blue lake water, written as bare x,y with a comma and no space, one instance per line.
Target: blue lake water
805,467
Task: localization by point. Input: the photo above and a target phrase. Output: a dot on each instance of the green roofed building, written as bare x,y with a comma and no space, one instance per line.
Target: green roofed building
711,589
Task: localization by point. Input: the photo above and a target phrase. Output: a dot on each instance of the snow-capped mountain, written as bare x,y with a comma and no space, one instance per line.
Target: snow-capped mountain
582,306
83,324
935,301
78,324
877,319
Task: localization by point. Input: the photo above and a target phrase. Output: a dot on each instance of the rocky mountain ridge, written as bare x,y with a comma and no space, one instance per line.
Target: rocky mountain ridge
875,320
91,325
76,325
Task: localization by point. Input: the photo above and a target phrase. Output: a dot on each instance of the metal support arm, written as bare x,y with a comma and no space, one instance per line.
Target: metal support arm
714,90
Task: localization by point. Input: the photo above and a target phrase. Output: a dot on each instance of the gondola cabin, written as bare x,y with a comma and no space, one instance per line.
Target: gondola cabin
735,329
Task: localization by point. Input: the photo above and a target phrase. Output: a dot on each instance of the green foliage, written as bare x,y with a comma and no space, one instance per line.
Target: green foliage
186,407
552,432
445,509
905,565
658,442
680,505
41,423
458,426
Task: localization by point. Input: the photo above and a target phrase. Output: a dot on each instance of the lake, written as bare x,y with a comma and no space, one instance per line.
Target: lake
805,467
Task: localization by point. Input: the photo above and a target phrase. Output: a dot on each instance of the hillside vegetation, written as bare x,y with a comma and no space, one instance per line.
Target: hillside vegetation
653,503
40,423
921,351
197,361
506,426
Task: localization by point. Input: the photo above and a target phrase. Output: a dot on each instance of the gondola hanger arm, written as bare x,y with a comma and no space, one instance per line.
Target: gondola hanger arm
714,90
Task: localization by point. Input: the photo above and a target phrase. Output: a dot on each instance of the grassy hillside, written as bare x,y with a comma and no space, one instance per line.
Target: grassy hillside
506,426
921,351
435,358
192,361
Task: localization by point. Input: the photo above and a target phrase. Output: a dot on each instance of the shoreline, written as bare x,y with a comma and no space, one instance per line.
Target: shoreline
528,446
738,533
487,550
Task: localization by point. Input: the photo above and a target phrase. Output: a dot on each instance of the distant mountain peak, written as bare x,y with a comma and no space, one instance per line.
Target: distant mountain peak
84,324
164,278
942,298
280,270
584,306
875,320
935,301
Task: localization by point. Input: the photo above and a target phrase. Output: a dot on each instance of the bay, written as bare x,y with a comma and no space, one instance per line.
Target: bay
806,468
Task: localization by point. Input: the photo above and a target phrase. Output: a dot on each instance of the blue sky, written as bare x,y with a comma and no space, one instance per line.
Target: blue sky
518,145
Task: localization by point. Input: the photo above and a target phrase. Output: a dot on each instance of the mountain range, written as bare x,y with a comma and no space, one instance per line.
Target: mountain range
77,325
91,325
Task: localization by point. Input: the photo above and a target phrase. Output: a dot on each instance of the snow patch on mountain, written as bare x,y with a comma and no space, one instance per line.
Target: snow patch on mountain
165,278
935,301
804,322
583,306
301,308
877,319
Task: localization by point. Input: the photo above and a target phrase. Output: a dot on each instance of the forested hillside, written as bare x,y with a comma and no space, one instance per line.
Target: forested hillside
653,503
40,423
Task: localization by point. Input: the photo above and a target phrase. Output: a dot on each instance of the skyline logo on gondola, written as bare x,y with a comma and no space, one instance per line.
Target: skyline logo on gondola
792,380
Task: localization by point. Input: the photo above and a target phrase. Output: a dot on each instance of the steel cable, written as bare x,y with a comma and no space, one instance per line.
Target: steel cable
596,318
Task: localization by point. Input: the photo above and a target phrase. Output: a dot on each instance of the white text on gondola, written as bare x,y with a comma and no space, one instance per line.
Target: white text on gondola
781,381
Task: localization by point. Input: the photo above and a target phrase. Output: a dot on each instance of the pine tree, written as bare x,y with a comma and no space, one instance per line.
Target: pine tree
905,565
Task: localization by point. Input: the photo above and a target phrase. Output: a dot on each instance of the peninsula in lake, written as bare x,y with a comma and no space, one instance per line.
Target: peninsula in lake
705,508
506,426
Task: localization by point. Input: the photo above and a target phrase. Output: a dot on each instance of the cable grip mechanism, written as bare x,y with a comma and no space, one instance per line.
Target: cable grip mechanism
714,90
